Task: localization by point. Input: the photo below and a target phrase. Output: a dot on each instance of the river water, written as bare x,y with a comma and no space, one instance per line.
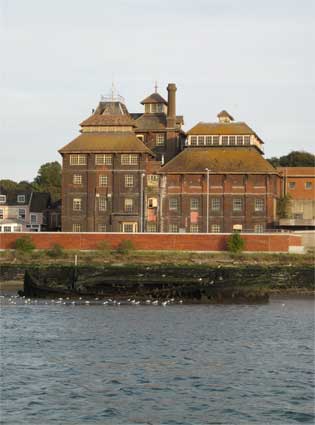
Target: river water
137,364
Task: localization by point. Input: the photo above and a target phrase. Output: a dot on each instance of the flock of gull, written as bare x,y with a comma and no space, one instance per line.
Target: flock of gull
18,300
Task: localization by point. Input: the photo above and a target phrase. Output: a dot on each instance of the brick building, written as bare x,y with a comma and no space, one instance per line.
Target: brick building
298,183
220,182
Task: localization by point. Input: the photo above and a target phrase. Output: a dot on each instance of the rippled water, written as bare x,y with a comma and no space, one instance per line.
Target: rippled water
180,364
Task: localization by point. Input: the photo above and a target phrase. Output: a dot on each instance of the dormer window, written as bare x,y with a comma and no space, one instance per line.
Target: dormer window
154,108
21,199
3,199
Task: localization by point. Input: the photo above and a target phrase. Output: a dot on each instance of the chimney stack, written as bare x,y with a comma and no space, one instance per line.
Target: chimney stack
171,107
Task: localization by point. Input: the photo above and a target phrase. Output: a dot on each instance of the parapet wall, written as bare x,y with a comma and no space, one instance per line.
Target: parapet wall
265,242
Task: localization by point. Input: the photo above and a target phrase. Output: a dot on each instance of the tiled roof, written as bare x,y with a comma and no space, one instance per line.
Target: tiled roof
225,114
154,98
106,142
40,201
232,128
11,196
218,160
297,171
153,121
108,120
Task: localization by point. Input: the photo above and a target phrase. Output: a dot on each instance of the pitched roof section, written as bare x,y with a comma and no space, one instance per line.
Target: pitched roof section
225,114
154,98
232,129
11,196
153,121
218,160
106,142
39,202
109,113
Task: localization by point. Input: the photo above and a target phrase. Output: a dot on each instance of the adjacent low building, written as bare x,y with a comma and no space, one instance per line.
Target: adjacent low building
23,211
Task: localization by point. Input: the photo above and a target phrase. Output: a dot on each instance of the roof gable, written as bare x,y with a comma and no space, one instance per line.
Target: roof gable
154,98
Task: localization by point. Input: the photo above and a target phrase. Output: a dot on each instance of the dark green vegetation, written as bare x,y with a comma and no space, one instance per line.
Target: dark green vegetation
235,243
294,159
24,245
48,179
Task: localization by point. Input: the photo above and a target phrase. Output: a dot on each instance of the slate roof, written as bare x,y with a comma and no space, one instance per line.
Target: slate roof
39,201
154,98
218,160
11,196
111,113
106,142
157,121
231,128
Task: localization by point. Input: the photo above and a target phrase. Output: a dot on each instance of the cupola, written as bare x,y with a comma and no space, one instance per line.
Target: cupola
225,117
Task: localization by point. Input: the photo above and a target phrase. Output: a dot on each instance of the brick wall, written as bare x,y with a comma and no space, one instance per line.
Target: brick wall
159,241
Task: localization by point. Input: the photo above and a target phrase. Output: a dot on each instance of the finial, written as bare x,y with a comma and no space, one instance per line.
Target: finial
113,90
155,86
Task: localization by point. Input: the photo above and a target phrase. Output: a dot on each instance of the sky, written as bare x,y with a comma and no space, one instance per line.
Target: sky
253,58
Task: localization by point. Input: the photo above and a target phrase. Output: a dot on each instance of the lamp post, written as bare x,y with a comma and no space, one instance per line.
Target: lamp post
97,195
141,200
207,213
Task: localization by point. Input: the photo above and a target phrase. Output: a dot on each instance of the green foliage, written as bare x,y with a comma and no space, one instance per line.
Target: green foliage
125,246
294,159
235,243
7,184
104,246
24,244
49,179
56,251
283,206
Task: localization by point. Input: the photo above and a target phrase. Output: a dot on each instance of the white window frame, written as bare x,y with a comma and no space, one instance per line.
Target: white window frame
173,204
215,204
21,215
151,227
194,228
103,180
102,203
259,204
133,227
20,199
215,228
194,204
201,140
160,139
239,140
77,204
129,180
308,185
128,205
77,159
129,159
173,228
103,159
3,199
77,179
259,228
224,140
292,185
76,227
193,141
237,204
32,221
1,213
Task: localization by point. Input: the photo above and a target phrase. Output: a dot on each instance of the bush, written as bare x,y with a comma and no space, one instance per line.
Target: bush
104,246
24,244
235,243
125,246
56,251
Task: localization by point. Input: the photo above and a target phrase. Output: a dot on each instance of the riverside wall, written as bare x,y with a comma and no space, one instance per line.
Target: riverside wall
264,242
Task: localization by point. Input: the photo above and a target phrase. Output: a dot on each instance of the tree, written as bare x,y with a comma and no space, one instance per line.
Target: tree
235,243
294,159
48,179
7,184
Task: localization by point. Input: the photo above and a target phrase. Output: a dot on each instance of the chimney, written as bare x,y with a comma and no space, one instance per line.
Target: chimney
171,107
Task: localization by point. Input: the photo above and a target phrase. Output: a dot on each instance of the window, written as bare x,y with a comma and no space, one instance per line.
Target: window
21,199
151,227
194,228
232,140
237,204
3,199
7,229
173,228
215,228
129,159
259,204
291,185
208,140
160,139
129,181
308,185
77,204
215,140
129,227
102,203
239,140
193,140
259,228
76,227
194,204
216,204
225,140
21,214
77,179
152,203
103,181
128,206
1,214
101,228
17,229
173,204
246,140
152,179
103,159
201,140
33,219
77,159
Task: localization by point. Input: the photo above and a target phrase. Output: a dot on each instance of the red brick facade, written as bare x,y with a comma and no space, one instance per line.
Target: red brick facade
158,241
